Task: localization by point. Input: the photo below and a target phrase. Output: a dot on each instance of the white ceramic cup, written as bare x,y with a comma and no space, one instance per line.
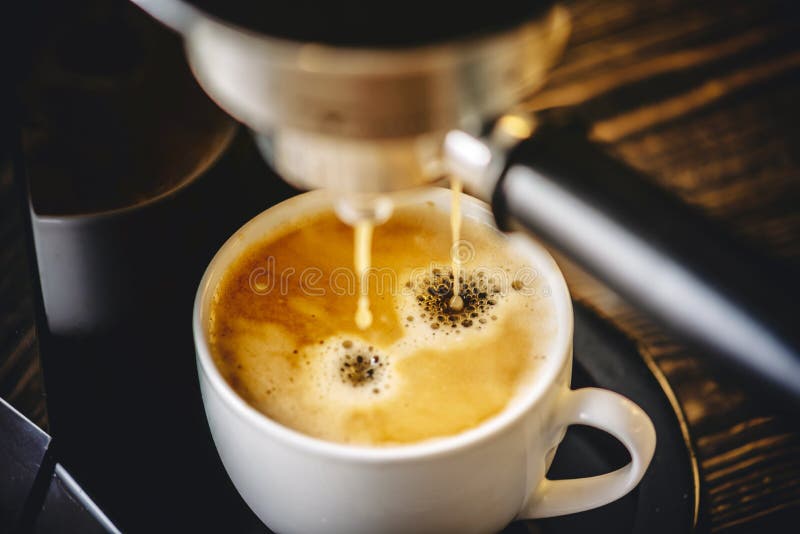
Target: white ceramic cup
475,481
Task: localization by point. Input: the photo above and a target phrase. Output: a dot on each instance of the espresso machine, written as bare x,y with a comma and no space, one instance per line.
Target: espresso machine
369,99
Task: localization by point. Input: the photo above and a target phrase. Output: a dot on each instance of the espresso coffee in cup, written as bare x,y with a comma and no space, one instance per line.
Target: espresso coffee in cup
283,333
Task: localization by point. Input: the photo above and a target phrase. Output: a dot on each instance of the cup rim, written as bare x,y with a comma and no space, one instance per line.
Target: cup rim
558,357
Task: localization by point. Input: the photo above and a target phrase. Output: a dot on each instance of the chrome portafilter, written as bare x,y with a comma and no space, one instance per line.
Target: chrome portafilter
365,119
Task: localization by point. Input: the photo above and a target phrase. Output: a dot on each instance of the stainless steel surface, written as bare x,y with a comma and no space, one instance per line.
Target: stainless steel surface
664,257
479,161
360,119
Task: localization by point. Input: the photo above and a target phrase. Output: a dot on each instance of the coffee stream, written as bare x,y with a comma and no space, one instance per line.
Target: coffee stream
363,229
456,302
363,257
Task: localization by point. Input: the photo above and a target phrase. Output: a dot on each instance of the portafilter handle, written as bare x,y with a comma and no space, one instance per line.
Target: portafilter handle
662,255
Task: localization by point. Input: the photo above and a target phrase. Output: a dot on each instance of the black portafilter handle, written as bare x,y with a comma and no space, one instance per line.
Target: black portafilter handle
662,255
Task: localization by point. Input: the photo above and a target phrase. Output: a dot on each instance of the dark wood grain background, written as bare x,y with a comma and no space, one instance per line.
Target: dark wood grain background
704,97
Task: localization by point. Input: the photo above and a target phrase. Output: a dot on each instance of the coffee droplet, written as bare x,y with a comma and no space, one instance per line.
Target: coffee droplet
363,314
456,303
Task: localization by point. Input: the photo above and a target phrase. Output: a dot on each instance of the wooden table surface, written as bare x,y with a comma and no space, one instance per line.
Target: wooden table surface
703,96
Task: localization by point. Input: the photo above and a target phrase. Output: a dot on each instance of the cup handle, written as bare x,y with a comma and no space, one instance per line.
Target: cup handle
619,417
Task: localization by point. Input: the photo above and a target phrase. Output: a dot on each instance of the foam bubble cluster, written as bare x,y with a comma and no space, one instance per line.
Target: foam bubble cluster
359,367
434,294
351,369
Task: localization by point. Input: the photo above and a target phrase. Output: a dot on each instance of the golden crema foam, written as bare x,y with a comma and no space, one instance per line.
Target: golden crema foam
283,332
